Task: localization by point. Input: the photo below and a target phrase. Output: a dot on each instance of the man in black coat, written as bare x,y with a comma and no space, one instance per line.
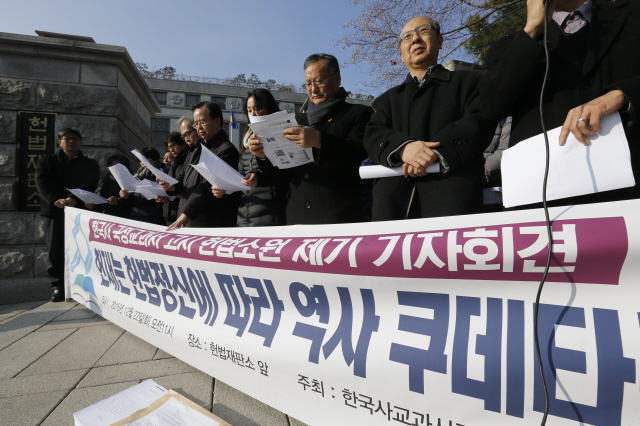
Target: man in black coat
198,207
68,168
328,189
594,70
432,116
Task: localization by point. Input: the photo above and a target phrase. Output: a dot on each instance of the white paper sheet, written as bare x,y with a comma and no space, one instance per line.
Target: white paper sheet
124,177
574,169
150,190
282,153
88,197
174,413
218,173
375,171
120,405
157,172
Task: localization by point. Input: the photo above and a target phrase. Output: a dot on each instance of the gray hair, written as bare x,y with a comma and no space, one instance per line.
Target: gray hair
331,65
435,26
188,118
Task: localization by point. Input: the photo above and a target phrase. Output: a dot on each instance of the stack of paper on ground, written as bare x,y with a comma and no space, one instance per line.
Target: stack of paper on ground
603,165
128,182
172,409
157,172
280,151
218,173
374,172
120,405
88,197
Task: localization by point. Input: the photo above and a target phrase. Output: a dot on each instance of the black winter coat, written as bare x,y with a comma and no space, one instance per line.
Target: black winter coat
170,209
55,173
110,188
262,205
444,109
584,66
197,201
328,190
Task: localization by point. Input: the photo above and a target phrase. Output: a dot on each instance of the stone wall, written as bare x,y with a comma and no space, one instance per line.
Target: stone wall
92,87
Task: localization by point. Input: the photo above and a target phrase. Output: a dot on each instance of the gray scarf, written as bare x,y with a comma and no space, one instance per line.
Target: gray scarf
318,113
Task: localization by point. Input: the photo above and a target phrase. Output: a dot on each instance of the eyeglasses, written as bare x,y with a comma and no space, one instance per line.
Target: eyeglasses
70,139
187,134
318,83
422,31
198,124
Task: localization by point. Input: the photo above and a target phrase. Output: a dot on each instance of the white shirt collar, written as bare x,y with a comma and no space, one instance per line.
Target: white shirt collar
585,10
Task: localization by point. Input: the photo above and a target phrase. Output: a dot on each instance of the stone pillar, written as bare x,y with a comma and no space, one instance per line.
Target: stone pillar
92,87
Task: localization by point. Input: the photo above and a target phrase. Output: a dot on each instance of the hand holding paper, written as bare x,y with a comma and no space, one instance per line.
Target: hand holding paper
88,197
218,173
157,172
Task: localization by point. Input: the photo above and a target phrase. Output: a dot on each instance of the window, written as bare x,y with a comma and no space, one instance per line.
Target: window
222,102
160,128
161,97
193,100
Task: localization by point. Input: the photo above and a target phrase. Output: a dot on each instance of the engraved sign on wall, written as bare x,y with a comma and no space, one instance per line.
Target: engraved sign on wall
36,137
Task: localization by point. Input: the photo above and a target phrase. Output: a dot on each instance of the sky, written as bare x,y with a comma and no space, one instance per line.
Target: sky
211,38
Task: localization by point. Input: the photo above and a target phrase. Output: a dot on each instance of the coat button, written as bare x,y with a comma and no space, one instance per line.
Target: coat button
306,176
381,144
457,142
308,205
585,85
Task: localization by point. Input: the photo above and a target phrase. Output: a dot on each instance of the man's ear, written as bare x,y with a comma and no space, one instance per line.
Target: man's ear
440,41
339,79
60,143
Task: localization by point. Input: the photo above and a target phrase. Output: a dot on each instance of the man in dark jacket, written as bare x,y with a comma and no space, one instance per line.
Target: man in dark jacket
328,189
432,116
198,207
592,71
68,168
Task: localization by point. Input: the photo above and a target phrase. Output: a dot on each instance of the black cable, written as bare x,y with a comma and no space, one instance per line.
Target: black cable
546,215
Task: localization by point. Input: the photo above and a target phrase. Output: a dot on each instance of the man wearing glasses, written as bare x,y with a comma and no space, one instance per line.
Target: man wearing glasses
198,207
68,168
433,116
326,190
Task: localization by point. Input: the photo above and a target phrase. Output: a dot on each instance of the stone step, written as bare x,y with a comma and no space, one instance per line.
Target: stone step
22,290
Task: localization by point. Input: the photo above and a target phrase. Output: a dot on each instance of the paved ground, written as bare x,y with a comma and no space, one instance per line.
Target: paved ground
58,358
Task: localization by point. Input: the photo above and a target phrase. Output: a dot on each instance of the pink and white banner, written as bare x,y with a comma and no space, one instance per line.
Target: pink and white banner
418,322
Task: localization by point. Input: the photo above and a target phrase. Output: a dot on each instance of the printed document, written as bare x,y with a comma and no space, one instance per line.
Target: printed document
124,177
282,153
218,173
150,190
574,169
88,197
120,405
374,172
157,172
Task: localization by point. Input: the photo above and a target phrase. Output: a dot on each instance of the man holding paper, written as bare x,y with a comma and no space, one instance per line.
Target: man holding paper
68,168
327,189
198,207
432,117
593,72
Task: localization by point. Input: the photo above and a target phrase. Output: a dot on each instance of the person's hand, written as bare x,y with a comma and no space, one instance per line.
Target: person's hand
60,203
589,115
250,180
90,206
180,223
256,147
162,199
70,202
417,156
303,136
535,16
113,200
124,194
218,193
165,185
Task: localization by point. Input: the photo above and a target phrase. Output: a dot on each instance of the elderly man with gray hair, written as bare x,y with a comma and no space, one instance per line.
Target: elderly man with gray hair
433,116
328,189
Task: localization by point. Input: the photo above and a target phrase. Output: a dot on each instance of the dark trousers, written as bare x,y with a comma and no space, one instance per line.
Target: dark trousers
54,236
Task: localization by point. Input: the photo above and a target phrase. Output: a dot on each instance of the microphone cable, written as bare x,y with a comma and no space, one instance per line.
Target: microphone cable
548,222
